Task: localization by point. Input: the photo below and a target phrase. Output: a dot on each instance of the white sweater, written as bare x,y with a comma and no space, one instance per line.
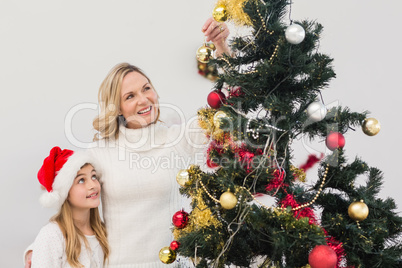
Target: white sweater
139,189
49,250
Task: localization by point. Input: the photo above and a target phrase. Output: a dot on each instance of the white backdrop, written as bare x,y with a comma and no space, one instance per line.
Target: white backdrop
54,55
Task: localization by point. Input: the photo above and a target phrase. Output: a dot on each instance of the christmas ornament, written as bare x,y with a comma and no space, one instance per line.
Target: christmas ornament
215,99
316,111
358,211
235,11
322,256
211,46
295,34
180,219
218,117
183,178
335,140
204,53
208,70
174,245
228,200
167,255
371,126
220,13
211,163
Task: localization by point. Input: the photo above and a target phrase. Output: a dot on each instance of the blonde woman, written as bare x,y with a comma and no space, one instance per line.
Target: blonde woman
140,157
76,236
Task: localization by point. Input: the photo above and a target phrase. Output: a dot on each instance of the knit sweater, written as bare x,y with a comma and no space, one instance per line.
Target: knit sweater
139,189
49,250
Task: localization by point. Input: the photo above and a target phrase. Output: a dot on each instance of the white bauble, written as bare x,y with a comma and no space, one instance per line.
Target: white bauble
316,111
295,34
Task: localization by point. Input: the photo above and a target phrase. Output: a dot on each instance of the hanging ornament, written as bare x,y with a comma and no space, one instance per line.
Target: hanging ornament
218,117
180,219
174,245
183,178
220,13
208,70
215,99
371,126
228,200
211,163
322,256
316,111
167,255
295,34
204,53
335,140
358,211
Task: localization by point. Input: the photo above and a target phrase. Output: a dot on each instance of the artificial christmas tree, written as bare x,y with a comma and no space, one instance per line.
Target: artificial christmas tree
274,79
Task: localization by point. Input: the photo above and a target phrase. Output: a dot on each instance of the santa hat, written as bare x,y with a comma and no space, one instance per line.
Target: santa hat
57,174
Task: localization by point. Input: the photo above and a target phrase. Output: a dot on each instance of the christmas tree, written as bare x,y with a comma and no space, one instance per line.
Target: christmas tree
266,96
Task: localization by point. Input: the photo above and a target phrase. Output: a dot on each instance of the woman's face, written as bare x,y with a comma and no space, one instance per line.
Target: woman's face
138,101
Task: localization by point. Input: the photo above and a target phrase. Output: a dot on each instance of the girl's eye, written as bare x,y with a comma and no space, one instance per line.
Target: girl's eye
94,177
81,180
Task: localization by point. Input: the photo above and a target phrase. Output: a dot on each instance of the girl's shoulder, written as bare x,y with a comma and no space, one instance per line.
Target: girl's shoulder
50,231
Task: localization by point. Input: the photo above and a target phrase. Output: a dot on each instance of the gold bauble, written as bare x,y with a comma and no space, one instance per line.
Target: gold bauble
211,46
235,11
218,117
204,54
183,178
358,211
228,200
167,255
220,13
202,66
371,126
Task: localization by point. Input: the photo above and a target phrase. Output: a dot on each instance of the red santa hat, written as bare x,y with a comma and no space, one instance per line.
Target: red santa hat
57,174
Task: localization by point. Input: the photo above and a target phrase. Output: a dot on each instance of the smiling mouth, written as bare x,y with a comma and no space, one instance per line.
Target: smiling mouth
92,195
145,110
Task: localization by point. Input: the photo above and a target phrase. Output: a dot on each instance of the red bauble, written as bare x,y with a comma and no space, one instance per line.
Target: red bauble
180,219
335,140
322,256
215,99
211,163
174,245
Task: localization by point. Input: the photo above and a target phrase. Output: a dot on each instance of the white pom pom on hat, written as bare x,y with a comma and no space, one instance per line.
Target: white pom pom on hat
57,174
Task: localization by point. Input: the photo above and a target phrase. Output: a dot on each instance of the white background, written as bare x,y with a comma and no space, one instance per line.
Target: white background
54,55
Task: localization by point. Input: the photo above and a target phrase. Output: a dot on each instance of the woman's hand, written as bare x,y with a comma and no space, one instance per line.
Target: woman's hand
28,259
217,32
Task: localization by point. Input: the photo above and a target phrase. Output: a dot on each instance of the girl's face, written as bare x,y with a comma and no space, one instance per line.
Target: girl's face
85,192
138,101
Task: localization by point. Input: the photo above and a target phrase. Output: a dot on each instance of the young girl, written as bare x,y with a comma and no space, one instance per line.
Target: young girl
75,236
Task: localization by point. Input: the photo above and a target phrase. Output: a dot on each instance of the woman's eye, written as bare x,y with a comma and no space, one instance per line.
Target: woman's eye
81,181
147,88
129,97
94,177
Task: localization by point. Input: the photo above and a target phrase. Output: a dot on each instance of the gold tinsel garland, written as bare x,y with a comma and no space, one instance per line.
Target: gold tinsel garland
236,14
206,121
298,173
201,217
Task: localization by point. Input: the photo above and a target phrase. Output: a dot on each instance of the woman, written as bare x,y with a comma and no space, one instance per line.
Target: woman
135,151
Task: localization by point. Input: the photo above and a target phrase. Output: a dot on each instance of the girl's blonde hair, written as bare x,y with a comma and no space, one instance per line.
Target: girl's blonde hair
108,121
73,235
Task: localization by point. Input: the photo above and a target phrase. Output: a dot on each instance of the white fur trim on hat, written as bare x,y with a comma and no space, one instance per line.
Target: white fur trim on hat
64,179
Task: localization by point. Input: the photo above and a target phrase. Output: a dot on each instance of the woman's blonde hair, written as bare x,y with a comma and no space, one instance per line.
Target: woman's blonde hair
73,235
108,121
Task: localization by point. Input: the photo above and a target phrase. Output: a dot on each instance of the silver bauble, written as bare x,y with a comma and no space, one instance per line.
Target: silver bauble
295,34
316,111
